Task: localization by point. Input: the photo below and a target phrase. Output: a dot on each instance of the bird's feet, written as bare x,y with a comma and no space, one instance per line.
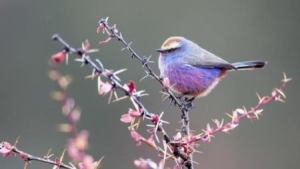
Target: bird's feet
175,99
184,103
187,103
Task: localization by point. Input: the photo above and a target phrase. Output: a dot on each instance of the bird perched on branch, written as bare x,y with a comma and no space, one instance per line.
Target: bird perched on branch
194,71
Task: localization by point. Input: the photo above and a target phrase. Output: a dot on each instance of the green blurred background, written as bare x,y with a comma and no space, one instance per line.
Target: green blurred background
236,30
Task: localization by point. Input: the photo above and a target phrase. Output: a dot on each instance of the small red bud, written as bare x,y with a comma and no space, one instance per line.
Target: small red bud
59,57
23,156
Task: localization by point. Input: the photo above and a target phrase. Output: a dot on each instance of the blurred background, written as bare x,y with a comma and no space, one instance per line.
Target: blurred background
236,30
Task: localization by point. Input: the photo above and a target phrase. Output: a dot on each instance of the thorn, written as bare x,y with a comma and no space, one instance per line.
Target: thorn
144,76
245,110
120,36
229,115
92,50
280,92
94,71
165,150
164,95
48,153
67,59
120,71
62,155
198,152
100,64
99,162
257,113
140,93
119,99
146,60
17,141
89,77
126,46
72,165
279,99
26,164
110,97
258,96
285,79
133,125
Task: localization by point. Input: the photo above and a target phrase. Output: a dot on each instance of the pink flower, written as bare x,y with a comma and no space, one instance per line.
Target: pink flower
5,149
138,138
73,151
87,163
77,145
130,116
103,88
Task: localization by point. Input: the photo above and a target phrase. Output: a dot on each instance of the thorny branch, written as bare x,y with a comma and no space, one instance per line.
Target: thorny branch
11,149
184,106
99,70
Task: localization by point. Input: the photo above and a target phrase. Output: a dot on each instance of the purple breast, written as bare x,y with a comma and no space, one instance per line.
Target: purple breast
190,80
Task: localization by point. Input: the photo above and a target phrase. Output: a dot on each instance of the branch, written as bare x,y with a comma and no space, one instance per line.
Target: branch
183,106
239,114
7,149
129,91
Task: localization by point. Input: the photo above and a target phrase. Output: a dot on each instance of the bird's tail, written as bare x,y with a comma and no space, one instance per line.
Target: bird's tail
249,65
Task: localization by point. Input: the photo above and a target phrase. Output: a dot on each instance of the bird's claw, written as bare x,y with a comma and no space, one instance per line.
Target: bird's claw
184,103
187,104
175,99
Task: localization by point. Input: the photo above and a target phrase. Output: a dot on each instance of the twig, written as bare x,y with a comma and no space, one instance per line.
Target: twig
98,69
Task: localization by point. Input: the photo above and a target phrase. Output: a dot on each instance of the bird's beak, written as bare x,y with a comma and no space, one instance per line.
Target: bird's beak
159,50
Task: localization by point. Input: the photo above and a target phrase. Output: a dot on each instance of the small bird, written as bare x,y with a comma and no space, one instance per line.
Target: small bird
193,71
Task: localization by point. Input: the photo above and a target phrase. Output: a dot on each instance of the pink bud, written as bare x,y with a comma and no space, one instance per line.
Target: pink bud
166,83
100,28
59,57
86,46
131,86
126,118
5,149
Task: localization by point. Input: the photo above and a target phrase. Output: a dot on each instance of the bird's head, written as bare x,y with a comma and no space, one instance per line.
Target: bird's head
173,46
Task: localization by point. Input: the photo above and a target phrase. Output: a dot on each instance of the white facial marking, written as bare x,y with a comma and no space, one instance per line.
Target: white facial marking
170,45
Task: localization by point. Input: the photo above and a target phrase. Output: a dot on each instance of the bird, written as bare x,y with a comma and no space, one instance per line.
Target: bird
193,71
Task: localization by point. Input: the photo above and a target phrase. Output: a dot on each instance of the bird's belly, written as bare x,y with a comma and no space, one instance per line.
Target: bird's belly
193,81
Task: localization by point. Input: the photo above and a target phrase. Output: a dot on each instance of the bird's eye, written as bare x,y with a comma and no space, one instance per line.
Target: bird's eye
170,50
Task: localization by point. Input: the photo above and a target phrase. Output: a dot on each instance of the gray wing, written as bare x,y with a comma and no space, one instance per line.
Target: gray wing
200,57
